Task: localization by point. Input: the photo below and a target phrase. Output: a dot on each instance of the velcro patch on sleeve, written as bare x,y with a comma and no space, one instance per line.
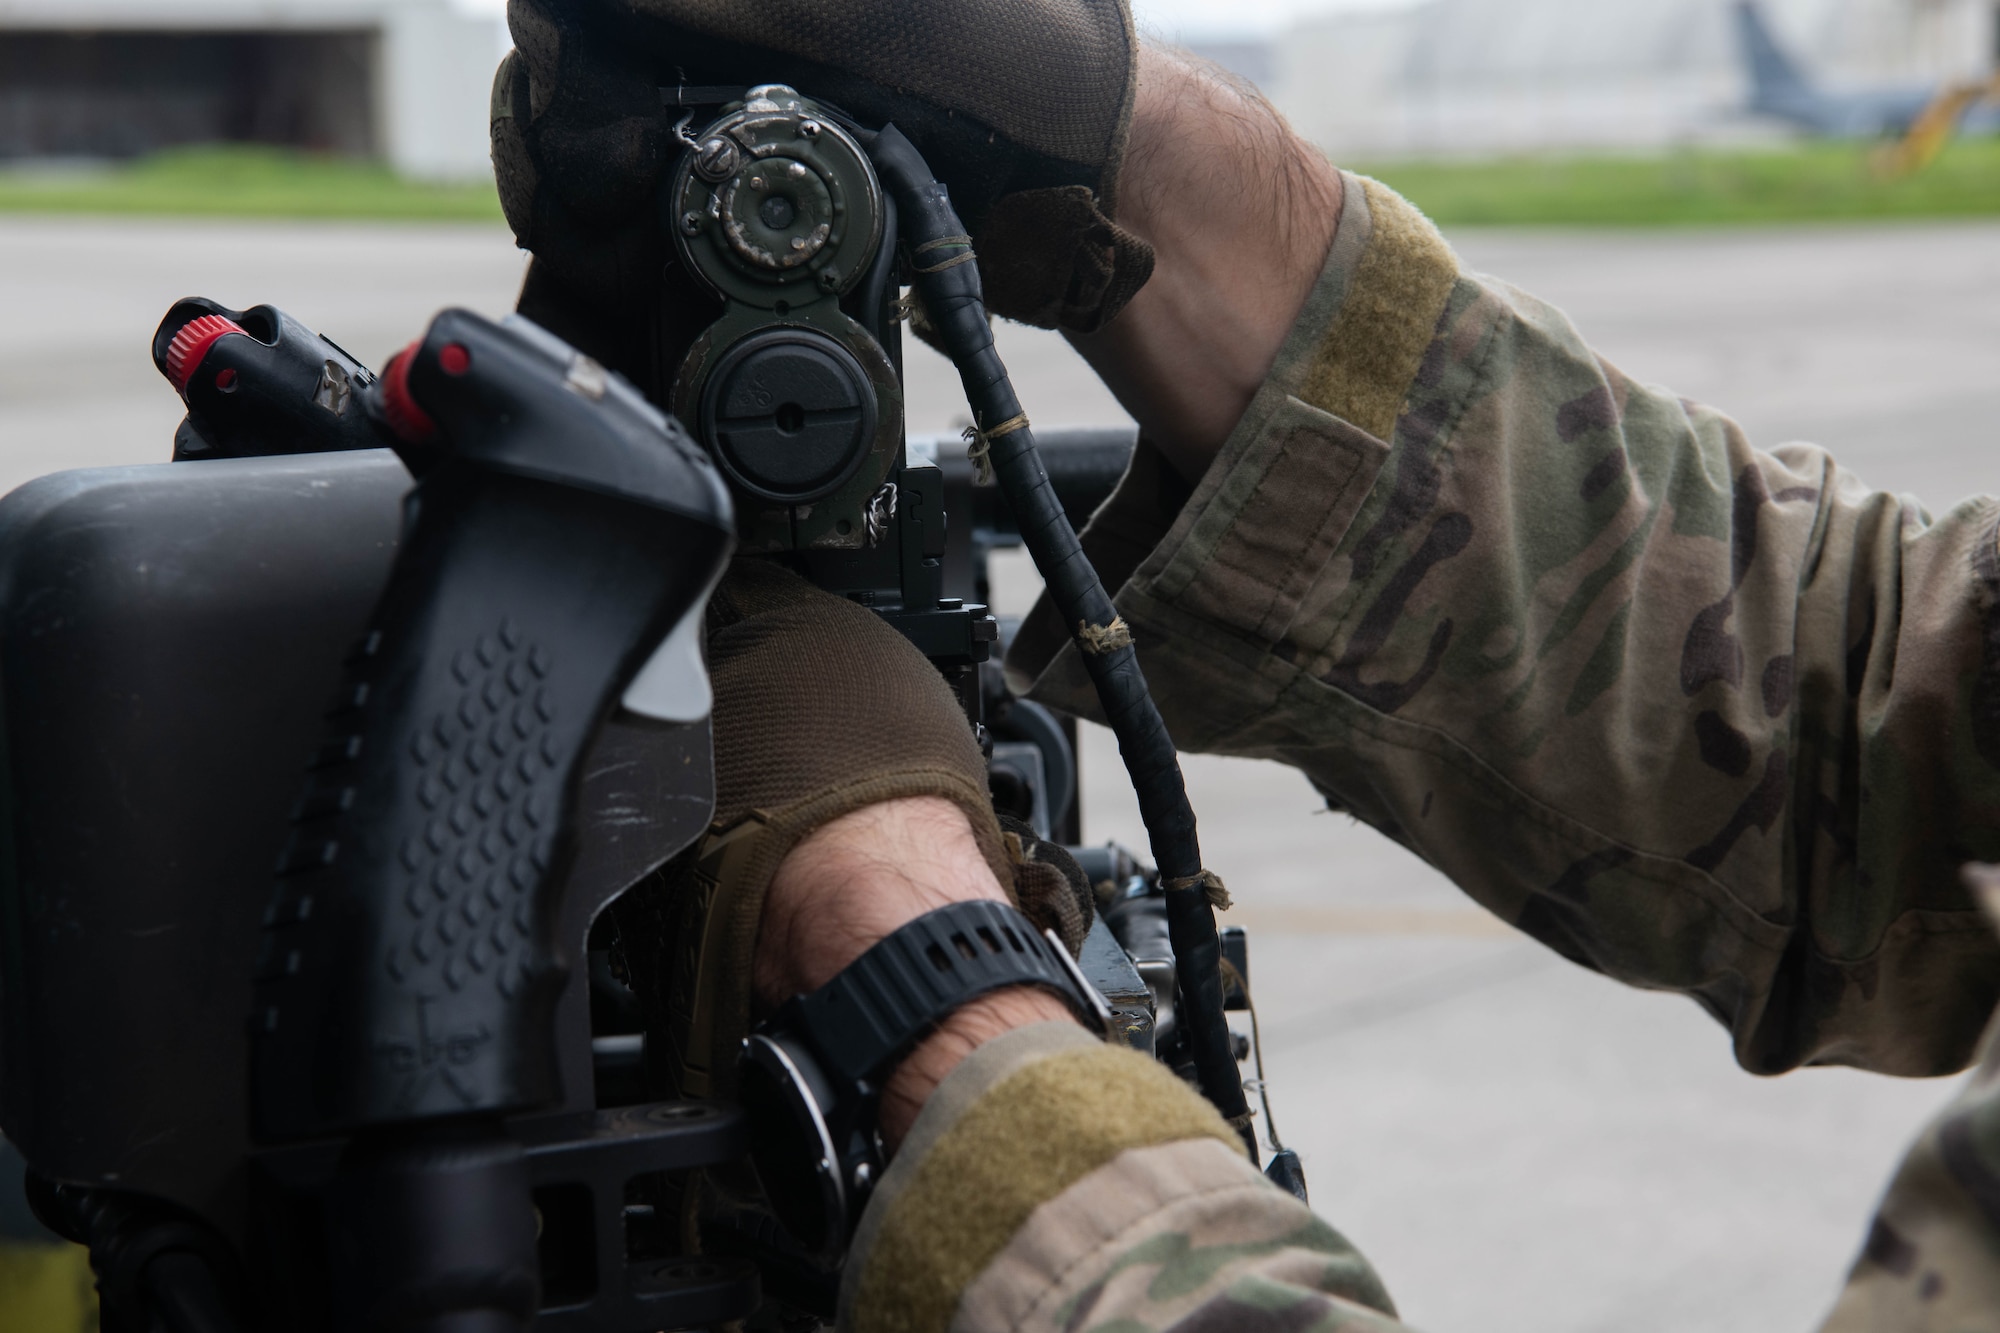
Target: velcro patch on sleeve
1372,351
1031,1135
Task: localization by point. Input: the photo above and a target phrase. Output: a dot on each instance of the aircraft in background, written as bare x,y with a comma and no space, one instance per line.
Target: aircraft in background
1779,88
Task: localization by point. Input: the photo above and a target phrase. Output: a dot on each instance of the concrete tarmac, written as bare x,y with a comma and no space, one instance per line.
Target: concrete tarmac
1518,1144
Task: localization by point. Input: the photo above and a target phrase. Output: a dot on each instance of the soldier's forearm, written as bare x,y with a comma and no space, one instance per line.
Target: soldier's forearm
1240,212
856,881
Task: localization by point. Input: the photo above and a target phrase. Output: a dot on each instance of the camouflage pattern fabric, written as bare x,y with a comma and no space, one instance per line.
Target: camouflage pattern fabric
1110,1196
1702,718
1184,1236
1699,717
1695,715
1018,1123
1174,1232
1931,1263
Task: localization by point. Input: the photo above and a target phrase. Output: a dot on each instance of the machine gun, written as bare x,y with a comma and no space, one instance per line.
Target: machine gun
396,1089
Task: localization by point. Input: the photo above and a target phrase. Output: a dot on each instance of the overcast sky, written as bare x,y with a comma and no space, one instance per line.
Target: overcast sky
1174,18
1191,18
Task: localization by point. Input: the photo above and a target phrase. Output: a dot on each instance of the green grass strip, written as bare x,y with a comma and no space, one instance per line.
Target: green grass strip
1808,183
243,181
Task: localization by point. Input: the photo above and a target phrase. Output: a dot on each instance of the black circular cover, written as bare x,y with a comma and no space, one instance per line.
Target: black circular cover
789,414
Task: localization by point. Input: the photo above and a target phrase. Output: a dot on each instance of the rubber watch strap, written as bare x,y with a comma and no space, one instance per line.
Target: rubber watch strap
891,997
812,1075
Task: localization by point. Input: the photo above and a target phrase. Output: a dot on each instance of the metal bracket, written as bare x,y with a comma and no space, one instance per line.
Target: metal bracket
599,1154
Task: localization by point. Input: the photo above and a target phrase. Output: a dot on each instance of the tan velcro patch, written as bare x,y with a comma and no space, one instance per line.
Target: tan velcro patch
1030,1138
1377,341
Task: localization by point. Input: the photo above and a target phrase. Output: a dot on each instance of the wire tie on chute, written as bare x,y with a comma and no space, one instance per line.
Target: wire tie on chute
954,262
945,243
979,450
1099,640
979,446
1209,883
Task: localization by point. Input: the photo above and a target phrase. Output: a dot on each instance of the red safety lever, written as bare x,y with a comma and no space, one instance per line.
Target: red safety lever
191,344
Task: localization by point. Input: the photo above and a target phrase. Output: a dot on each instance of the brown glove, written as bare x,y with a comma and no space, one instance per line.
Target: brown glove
820,710
1020,106
1048,885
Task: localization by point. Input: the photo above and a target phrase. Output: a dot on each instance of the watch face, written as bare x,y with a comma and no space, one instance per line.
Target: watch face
783,1092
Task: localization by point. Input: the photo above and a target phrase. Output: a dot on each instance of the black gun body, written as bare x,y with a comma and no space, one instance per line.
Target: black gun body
168,639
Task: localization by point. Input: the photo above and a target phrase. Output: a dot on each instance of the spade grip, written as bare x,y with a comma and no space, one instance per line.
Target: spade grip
409,967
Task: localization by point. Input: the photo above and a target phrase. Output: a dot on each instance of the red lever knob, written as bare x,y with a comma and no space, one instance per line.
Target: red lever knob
191,344
411,423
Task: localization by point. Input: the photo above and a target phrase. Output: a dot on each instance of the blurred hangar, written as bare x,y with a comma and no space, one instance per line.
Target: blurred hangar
1478,77
405,81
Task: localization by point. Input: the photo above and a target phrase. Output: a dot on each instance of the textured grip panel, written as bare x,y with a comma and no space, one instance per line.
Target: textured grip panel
490,835
410,966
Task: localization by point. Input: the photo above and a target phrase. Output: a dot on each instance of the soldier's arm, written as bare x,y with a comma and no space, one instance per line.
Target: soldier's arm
1698,716
1042,1179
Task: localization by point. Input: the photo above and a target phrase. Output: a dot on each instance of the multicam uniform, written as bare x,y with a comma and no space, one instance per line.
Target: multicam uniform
1701,718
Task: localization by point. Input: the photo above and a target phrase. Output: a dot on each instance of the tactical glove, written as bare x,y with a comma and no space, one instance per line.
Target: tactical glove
821,709
1020,106
1049,885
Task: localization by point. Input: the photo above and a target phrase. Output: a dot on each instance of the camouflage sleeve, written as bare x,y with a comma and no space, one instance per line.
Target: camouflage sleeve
1700,717
1057,1183
1932,1257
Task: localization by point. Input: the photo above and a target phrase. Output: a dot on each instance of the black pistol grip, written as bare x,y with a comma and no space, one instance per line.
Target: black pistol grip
409,967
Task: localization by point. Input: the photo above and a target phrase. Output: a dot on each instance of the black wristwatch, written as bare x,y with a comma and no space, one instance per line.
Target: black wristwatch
812,1076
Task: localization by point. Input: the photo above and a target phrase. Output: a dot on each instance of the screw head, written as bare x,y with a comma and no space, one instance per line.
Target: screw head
716,159
809,129
690,224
